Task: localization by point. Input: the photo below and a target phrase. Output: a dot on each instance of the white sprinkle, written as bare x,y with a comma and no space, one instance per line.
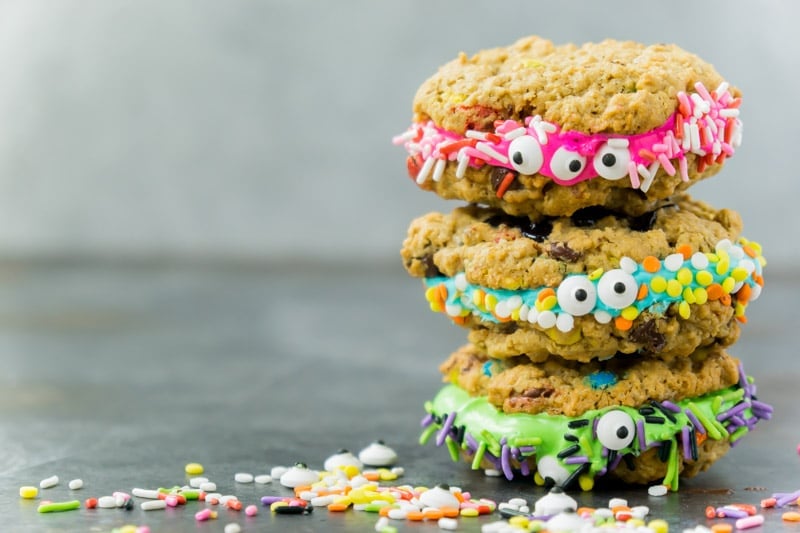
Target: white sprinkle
602,317
213,495
439,169
195,482
460,282
686,141
651,171
523,312
502,310
403,137
454,310
533,315
153,505
694,137
565,322
381,524
657,490
398,471
729,112
722,88
518,502
475,134
673,262
423,173
724,245
492,472
747,264
397,514
618,143
640,511
278,471
524,509
617,502
449,524
308,495
243,477
223,500
514,302
322,501
49,482
603,513
75,484
208,486
491,152
513,134
505,506
145,493
547,319
263,479
120,499
463,162
107,502
699,260
233,527
755,292
628,265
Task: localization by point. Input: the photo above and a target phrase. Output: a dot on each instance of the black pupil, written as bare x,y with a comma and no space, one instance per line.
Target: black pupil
609,160
622,432
619,287
517,157
581,295
574,165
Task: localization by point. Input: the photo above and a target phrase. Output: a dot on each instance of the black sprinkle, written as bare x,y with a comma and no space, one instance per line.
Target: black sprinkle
628,461
571,438
575,475
461,431
664,411
693,443
651,419
612,454
566,452
581,422
663,451
290,509
646,410
508,513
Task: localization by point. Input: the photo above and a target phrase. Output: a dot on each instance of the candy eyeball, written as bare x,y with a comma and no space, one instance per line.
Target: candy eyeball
548,467
377,454
611,162
576,295
525,155
439,496
341,459
299,475
566,165
615,430
617,289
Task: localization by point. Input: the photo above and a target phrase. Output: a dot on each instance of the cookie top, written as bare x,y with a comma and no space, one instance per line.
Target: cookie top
560,387
505,126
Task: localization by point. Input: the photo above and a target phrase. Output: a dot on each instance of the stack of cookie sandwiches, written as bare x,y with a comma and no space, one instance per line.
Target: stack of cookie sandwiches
599,298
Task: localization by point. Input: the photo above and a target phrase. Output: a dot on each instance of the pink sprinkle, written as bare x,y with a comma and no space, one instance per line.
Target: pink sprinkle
251,510
633,173
684,171
750,521
702,91
203,515
685,104
171,500
665,162
143,529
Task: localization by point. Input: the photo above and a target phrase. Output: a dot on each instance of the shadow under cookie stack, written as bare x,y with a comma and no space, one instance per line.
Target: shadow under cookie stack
600,298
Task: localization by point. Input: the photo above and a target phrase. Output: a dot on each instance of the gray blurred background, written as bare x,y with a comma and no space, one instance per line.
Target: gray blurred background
261,131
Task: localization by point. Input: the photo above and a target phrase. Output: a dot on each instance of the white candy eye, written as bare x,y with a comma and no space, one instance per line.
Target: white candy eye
617,289
565,165
576,295
615,430
525,155
612,163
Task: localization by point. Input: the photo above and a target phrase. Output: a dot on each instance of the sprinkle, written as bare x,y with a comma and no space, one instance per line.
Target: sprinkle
194,469
75,484
57,507
49,482
657,490
153,505
28,492
243,477
750,521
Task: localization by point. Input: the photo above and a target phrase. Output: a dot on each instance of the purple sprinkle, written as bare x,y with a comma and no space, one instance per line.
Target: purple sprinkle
269,500
753,389
786,499
492,459
602,472
671,406
640,434
761,406
737,421
427,420
506,463
576,460
527,450
524,468
594,427
687,450
604,452
742,377
471,442
615,463
448,424
503,441
735,410
700,428
731,512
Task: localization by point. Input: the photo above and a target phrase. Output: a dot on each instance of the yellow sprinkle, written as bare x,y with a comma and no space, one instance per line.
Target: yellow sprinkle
420,489
634,522
755,246
549,302
515,314
490,301
684,311
538,479
723,266
194,469
275,505
586,482
739,309
658,284
704,278
658,526
739,274
728,284
344,500
129,528
712,258
688,295
674,288
564,339
386,475
455,98
685,276
28,492
630,313
596,274
519,521
471,512
350,471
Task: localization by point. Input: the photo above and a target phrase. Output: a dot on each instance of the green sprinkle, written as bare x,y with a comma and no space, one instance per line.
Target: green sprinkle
388,529
191,494
492,443
429,407
478,459
711,426
739,433
716,404
585,445
57,507
426,434
530,441
733,396
750,380
452,446
375,507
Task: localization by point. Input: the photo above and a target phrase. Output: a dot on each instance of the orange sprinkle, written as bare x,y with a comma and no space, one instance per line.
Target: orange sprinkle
459,496
736,102
758,279
700,438
742,319
647,154
301,488
746,507
749,251
619,508
721,158
372,476
768,502
678,128
701,164
744,294
643,290
433,514
449,512
791,516
651,264
544,293
384,511
709,158
460,320
442,292
722,527
584,511
505,184
339,507
623,324
685,250
456,145
236,505
725,299
415,516
484,509
714,291
711,512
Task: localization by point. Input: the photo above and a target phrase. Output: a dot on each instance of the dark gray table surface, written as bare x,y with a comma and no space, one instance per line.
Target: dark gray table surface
120,374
